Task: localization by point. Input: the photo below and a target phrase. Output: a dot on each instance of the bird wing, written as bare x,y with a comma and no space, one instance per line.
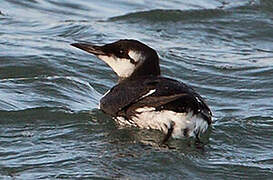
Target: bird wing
157,92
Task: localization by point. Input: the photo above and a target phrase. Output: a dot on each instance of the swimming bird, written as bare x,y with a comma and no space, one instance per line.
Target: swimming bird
143,98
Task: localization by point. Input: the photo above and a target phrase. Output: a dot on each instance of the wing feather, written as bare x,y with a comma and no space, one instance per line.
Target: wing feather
157,92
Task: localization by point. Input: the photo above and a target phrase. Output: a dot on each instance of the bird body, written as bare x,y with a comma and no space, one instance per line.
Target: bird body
143,98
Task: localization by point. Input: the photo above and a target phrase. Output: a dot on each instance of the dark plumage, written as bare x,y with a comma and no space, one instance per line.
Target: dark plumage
170,94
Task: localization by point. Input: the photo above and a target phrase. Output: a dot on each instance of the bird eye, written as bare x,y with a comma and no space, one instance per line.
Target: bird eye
121,51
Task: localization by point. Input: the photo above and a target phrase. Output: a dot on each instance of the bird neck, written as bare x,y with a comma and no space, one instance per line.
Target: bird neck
150,67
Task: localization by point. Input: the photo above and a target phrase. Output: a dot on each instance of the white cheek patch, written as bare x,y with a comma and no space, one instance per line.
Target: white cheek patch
123,67
136,56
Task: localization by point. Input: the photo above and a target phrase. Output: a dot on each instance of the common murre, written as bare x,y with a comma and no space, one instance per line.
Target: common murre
144,99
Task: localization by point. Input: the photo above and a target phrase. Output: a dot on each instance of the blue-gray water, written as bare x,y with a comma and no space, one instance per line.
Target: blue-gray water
50,126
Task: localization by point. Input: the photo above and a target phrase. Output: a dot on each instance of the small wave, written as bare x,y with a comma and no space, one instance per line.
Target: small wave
177,15
40,113
159,15
53,91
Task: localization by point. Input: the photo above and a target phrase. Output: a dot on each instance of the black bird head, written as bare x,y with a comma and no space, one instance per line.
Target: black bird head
128,58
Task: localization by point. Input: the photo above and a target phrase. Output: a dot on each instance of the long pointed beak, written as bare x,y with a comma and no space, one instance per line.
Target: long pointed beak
93,49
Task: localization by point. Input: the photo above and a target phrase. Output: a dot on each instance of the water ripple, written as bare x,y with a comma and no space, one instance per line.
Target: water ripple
50,126
162,15
33,92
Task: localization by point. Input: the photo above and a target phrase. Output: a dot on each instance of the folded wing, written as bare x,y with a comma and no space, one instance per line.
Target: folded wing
158,93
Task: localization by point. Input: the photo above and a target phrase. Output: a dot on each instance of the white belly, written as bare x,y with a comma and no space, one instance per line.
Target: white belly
161,120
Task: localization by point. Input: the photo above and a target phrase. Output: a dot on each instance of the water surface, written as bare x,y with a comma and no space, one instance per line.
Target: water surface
50,126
